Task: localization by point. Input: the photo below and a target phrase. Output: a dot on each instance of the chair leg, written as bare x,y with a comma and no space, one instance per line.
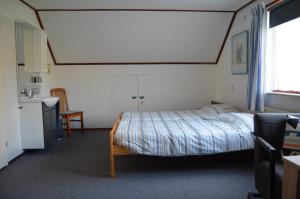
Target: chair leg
82,123
68,126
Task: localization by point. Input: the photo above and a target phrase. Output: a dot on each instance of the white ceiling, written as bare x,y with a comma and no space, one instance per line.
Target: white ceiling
231,5
85,37
95,36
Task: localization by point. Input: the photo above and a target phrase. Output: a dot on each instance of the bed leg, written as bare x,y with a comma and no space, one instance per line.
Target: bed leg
112,160
112,166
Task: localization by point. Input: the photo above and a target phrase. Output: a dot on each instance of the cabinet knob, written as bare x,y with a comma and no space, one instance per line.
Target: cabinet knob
142,97
133,97
20,107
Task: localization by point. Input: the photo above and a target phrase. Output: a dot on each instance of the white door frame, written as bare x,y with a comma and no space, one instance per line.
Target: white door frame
3,150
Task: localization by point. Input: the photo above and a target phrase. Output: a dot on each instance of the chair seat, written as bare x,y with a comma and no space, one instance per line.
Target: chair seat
66,115
70,112
262,174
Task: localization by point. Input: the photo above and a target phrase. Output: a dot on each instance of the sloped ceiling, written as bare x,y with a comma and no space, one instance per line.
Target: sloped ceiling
83,37
230,5
136,31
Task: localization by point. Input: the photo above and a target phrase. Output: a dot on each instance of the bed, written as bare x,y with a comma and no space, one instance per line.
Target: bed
217,128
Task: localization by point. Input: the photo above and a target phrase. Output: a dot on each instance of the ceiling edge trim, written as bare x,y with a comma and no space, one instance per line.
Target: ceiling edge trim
137,63
140,63
131,10
28,5
226,37
42,27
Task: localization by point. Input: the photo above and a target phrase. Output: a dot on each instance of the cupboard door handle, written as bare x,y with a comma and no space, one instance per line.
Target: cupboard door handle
133,97
20,107
142,97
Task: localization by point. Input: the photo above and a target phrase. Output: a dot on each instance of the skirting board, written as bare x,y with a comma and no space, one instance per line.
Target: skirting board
91,129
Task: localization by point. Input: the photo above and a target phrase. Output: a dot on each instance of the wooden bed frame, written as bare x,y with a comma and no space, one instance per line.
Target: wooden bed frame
116,150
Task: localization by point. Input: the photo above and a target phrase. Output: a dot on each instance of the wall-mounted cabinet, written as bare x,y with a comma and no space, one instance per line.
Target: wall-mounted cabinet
35,48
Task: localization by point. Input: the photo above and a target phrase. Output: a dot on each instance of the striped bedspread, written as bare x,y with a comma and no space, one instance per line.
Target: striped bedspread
182,133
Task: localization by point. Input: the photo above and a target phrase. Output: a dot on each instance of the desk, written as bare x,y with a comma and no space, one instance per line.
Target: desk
291,177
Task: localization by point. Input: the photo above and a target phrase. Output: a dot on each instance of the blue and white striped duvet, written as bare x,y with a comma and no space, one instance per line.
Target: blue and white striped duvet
182,133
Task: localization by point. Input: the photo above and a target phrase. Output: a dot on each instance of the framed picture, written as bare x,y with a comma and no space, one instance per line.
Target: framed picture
239,55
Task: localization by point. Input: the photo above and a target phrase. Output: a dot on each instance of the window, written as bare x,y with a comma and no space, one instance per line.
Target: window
283,58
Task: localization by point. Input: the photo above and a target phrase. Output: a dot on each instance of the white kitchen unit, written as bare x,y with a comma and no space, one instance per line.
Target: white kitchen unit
38,121
32,129
35,48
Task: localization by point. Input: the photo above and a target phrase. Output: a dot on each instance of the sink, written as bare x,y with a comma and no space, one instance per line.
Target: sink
49,101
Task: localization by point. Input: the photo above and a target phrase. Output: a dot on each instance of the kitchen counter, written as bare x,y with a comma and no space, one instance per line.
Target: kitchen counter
49,101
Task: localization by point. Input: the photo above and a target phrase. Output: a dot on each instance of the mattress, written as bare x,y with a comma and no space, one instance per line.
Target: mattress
183,133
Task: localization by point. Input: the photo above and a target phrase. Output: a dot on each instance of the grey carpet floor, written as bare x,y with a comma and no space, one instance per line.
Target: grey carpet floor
77,167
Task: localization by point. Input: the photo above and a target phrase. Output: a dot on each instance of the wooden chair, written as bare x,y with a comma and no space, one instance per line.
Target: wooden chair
67,115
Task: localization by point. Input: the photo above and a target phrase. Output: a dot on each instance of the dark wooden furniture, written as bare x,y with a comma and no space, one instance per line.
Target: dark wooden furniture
291,177
269,130
67,115
52,128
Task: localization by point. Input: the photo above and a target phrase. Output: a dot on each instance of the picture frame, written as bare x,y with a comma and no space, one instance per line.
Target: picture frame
239,54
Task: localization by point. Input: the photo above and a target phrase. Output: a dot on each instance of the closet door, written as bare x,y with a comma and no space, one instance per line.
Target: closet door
123,94
3,158
152,92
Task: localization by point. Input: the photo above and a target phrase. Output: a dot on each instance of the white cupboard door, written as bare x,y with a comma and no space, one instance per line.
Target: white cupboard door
28,50
35,50
123,94
32,130
43,50
152,92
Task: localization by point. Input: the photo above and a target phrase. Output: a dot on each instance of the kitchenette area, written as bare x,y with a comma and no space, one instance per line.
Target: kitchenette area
39,112
29,116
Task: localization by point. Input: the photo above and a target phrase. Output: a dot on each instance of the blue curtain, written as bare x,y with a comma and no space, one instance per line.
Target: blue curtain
255,95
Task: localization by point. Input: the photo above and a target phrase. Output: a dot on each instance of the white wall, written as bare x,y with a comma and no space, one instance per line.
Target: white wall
3,157
233,88
190,86
11,118
13,10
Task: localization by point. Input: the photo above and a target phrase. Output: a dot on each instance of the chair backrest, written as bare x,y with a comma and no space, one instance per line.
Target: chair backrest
271,127
62,97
